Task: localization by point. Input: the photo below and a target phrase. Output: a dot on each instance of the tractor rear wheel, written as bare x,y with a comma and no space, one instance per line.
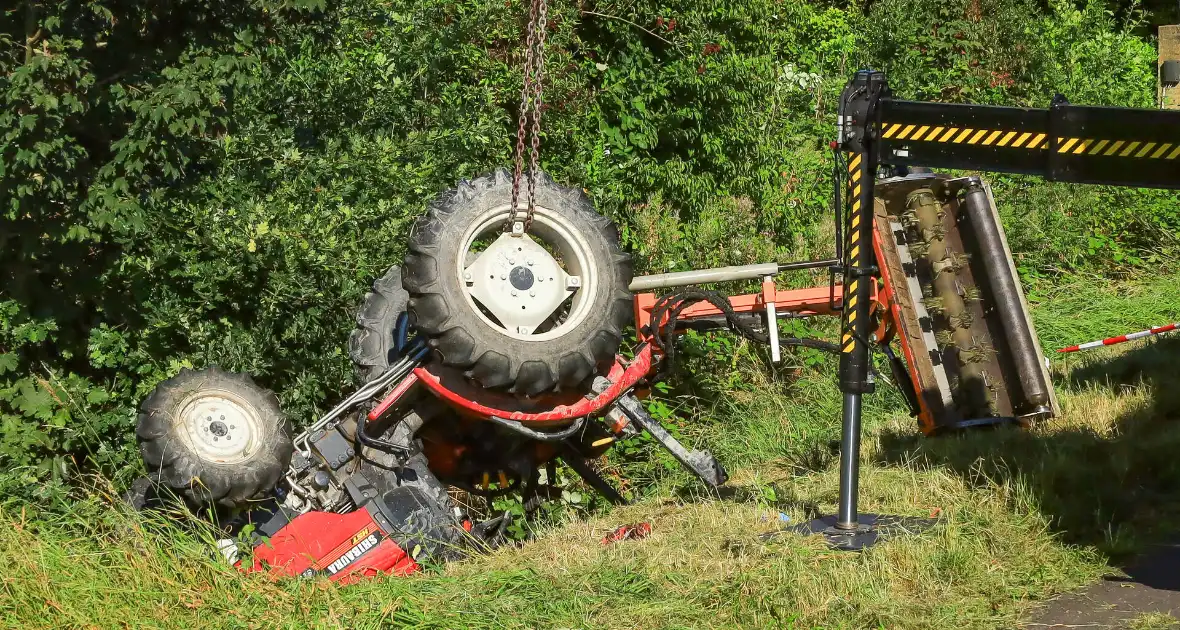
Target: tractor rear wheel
527,312
372,344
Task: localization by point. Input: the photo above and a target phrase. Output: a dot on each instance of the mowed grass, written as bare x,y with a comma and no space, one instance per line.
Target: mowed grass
1023,515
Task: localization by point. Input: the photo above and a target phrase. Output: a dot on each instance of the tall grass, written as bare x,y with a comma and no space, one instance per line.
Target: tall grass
1023,514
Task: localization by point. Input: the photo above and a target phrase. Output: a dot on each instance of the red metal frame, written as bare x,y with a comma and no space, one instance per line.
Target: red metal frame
891,316
399,390
810,301
554,410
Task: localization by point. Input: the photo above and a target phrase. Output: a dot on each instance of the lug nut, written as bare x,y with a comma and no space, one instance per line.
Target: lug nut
514,294
532,294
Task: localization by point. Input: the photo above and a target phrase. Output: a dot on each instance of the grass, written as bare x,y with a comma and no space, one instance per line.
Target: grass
1023,515
1154,621
1090,308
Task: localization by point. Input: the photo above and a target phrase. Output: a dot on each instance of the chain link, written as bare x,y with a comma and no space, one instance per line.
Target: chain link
530,107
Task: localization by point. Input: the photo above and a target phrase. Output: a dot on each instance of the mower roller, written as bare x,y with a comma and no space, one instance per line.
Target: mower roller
493,352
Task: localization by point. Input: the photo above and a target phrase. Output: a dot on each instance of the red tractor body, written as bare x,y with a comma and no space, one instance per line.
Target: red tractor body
344,547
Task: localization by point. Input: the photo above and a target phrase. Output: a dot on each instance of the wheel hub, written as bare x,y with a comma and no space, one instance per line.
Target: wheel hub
220,427
521,278
519,282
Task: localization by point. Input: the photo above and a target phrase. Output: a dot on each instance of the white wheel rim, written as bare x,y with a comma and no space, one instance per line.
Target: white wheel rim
220,426
554,229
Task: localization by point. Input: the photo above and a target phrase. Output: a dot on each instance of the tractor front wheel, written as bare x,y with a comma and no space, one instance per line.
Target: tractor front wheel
214,437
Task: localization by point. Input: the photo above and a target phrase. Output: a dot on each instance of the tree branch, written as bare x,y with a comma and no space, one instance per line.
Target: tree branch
31,36
622,19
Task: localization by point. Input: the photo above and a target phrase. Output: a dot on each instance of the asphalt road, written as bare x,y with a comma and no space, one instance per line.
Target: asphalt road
1151,585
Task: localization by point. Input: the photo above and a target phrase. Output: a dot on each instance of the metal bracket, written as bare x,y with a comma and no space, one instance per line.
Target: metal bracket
1055,168
700,463
579,464
772,326
870,529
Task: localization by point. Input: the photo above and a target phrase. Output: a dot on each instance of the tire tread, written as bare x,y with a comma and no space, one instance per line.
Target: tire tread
481,355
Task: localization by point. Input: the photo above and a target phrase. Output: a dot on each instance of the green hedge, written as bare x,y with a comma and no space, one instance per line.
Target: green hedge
203,182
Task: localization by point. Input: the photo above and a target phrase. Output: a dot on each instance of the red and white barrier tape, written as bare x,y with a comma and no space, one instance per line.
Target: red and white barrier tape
1121,338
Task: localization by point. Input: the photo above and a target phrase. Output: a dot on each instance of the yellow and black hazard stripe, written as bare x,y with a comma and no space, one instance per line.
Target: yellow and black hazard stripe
1069,143
1105,147
848,341
1119,148
965,135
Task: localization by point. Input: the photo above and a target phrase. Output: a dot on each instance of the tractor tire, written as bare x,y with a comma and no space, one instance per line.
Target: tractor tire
462,336
371,345
214,438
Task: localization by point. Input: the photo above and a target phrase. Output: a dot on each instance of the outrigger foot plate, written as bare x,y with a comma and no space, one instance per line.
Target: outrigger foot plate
870,529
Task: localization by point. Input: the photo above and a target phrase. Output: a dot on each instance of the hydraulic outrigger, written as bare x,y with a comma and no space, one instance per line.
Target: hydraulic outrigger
1068,143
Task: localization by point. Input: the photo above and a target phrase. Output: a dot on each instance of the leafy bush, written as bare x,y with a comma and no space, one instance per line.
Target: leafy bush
217,182
107,110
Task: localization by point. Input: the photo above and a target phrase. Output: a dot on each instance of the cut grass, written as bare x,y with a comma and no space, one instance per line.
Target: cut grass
1023,515
703,566
1154,621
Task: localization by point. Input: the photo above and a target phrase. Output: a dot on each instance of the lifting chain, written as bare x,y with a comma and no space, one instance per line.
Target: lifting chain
530,107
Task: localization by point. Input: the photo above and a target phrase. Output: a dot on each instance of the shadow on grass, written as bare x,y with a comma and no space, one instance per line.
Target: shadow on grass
1107,475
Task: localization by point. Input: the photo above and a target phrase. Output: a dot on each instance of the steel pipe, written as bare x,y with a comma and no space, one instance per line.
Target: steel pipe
1006,297
847,517
721,274
702,276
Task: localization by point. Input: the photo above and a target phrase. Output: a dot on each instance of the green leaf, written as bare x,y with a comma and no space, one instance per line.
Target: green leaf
97,396
33,401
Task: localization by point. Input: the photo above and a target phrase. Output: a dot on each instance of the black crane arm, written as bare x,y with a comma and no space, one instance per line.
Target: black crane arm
1068,143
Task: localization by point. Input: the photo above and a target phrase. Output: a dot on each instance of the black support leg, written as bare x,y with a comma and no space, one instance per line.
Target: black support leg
848,528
